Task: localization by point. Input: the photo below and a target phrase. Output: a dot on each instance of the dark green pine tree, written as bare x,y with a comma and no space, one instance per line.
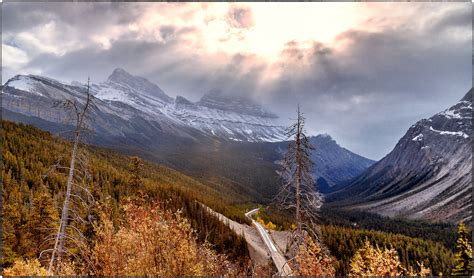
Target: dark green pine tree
463,259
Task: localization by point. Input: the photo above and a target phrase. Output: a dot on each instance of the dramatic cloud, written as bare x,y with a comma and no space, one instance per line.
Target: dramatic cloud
240,17
363,72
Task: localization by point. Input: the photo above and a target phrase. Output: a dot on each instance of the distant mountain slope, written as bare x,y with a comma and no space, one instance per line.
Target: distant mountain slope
35,96
334,164
427,175
130,104
237,119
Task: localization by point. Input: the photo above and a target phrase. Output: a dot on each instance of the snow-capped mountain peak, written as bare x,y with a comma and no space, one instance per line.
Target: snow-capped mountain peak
132,86
21,82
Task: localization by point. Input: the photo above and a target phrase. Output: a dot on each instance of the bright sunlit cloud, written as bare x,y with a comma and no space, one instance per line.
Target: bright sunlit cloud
270,25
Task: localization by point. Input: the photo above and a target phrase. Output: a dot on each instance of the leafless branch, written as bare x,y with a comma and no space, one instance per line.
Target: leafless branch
298,189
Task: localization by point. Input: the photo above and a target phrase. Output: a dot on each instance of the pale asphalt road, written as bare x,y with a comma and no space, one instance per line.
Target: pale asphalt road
278,258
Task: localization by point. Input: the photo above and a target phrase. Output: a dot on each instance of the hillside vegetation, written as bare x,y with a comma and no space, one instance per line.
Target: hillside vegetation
32,190
414,242
164,198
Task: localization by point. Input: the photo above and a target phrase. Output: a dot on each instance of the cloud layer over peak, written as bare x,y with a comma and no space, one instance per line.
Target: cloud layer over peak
363,72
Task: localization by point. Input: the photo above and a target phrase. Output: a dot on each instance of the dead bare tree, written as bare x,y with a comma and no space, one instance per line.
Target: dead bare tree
298,189
76,195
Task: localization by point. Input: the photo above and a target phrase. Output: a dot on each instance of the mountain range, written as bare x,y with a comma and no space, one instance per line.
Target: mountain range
128,104
135,115
428,175
234,141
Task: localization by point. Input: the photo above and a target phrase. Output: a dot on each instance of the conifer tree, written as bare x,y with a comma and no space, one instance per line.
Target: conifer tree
298,190
42,220
12,223
463,260
136,166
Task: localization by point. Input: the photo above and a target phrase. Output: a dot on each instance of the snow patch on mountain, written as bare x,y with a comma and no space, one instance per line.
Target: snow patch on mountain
419,137
455,133
23,83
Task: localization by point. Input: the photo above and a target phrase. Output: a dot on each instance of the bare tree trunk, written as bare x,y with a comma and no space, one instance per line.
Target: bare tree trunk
298,176
61,236
65,212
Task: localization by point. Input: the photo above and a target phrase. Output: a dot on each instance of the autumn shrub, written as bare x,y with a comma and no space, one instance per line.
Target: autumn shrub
153,241
25,268
463,259
370,261
268,226
263,270
374,261
311,260
422,271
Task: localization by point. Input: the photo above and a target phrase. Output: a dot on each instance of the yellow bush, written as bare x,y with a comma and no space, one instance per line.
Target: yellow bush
153,241
370,261
312,261
423,272
25,268
268,226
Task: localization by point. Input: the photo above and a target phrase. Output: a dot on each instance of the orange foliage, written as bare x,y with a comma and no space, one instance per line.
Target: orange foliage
153,241
312,261
370,261
25,268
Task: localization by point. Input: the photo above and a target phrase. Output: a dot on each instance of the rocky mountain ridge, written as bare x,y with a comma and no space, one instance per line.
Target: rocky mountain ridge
123,97
426,176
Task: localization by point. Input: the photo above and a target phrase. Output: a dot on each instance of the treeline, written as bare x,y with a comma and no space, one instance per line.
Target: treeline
33,190
445,233
439,232
343,243
344,238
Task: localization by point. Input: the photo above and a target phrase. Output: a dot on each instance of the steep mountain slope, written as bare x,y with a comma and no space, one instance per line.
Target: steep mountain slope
126,120
334,164
427,175
234,118
35,96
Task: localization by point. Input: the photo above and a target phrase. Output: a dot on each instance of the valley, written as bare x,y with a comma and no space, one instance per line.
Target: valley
245,165
426,176
236,139
226,154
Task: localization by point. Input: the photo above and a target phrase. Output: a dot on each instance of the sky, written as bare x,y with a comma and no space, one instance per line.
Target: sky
362,72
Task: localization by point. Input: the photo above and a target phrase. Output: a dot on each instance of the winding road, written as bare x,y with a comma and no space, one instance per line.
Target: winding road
278,258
